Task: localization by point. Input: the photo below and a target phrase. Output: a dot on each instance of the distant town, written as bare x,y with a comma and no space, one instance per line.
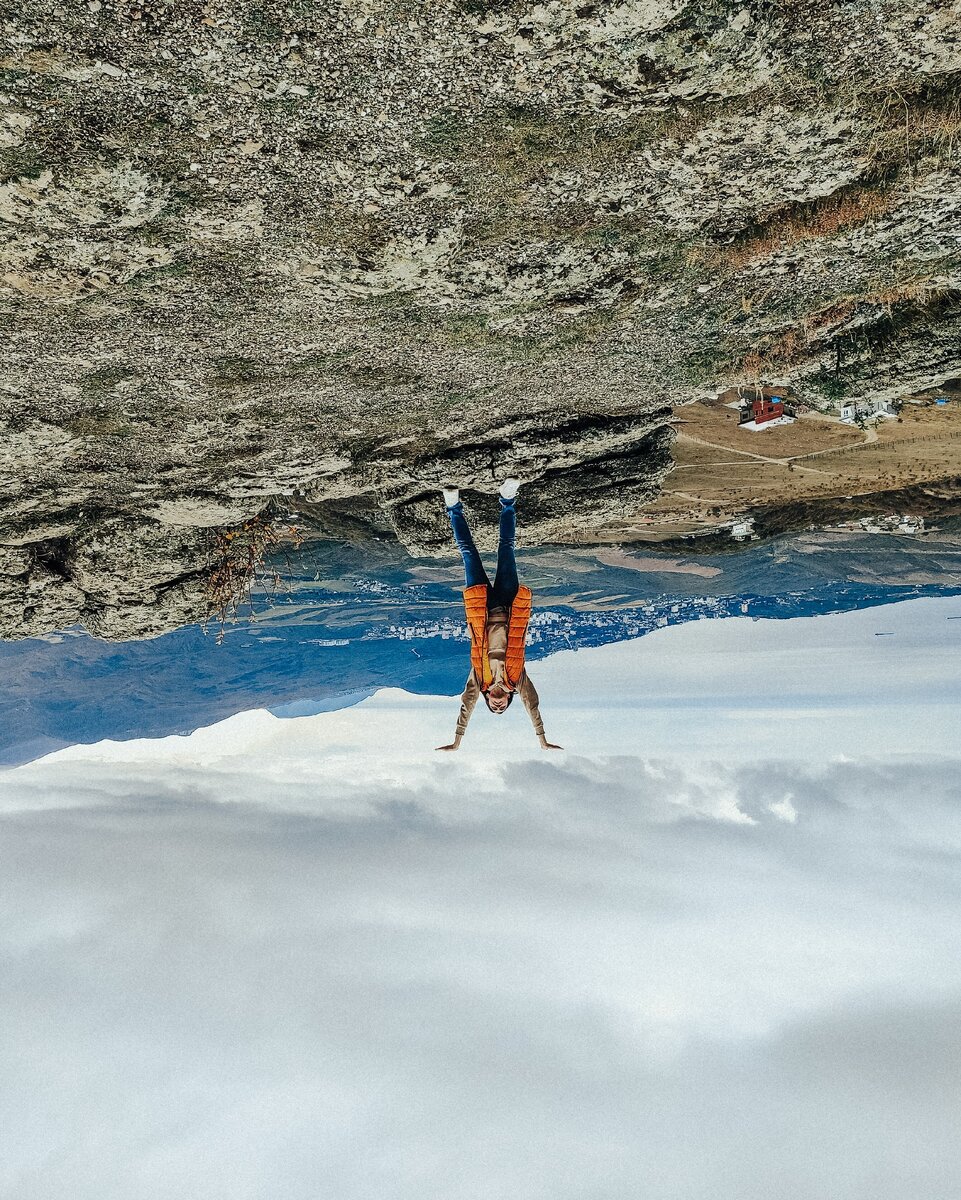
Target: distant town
756,451
559,629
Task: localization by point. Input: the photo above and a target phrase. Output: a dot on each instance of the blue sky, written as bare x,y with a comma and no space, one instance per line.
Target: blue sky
330,638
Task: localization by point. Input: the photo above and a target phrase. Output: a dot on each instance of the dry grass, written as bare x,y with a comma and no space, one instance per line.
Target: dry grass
710,486
906,298
910,127
782,350
793,344
844,210
239,564
809,434
918,293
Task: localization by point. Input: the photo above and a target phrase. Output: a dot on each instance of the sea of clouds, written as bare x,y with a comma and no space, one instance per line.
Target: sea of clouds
311,958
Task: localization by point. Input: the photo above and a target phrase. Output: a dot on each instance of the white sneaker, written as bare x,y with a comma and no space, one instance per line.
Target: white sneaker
451,496
510,488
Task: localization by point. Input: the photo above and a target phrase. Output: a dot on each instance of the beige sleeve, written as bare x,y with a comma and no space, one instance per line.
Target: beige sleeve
467,701
528,693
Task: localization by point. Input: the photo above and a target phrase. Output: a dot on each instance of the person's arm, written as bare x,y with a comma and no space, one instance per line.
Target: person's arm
528,693
467,701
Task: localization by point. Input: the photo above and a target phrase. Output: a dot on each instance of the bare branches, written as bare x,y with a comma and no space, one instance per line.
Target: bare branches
240,563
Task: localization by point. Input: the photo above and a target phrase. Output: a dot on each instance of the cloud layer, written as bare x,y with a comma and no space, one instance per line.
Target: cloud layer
231,972
312,958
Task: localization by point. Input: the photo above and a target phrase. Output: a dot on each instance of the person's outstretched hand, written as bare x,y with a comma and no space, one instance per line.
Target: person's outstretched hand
546,745
452,746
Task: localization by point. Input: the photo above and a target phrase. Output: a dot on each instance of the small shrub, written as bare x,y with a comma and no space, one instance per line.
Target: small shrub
239,563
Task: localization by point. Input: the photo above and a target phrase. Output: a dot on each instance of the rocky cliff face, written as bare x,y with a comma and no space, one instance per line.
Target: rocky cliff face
349,251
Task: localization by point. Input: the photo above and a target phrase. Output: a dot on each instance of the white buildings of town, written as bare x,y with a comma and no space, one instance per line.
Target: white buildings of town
866,410
901,523
743,531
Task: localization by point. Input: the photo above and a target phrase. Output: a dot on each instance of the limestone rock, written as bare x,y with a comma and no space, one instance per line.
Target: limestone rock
331,256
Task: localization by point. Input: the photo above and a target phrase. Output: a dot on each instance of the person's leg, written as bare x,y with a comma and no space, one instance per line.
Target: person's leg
474,572
505,580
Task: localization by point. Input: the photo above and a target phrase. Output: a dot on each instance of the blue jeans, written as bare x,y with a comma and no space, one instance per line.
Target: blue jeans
504,588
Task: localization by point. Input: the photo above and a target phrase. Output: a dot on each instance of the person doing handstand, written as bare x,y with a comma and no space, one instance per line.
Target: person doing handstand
497,619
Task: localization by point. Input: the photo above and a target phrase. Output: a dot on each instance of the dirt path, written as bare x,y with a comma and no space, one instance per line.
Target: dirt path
764,458
950,435
683,495
870,435
687,437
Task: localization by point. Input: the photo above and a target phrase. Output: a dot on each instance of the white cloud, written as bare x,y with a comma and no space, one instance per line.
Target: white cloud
555,978
784,809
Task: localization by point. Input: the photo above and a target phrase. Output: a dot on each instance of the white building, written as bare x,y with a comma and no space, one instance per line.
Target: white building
852,410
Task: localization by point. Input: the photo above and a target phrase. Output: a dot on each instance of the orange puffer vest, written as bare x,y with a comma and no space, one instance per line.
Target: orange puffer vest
475,605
